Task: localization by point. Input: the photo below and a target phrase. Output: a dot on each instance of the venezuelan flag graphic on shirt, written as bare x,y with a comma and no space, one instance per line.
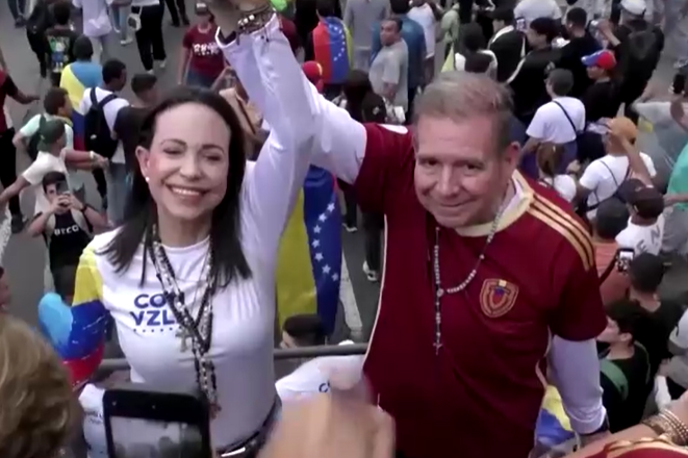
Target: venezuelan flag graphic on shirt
553,432
310,257
332,49
73,83
77,333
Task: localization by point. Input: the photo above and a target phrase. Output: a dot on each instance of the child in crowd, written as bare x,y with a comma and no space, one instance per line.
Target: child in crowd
60,38
624,365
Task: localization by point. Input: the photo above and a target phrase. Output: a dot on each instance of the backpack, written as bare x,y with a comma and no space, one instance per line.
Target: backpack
32,147
642,48
617,376
97,136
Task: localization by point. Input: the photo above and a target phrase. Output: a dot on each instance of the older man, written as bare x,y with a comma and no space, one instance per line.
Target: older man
488,277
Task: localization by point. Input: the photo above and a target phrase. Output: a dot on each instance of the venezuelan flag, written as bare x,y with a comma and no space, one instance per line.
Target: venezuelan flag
77,333
310,256
332,49
553,433
75,80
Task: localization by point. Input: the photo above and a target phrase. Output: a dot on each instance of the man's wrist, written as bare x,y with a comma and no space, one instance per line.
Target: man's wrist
604,428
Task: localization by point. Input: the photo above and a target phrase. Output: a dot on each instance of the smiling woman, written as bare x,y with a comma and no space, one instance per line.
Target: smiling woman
188,279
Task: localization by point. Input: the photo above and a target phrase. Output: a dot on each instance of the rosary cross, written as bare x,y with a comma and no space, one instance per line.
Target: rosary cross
184,335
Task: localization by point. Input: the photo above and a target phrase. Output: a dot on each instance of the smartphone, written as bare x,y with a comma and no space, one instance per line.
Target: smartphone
144,421
61,188
625,257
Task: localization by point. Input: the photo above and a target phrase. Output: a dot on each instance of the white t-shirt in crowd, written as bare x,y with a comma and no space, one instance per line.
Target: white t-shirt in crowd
424,16
642,239
564,184
76,177
551,125
91,400
110,110
460,61
95,16
313,377
527,10
44,163
604,175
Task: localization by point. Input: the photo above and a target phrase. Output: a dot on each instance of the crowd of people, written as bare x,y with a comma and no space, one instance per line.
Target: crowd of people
526,235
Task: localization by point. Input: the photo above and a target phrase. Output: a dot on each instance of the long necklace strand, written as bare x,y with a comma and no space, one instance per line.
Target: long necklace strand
439,291
198,329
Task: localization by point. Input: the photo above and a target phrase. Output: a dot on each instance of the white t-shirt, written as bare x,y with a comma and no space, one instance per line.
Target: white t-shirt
424,16
604,175
313,377
76,177
643,239
243,312
91,400
551,125
44,163
110,110
563,184
95,16
460,61
527,10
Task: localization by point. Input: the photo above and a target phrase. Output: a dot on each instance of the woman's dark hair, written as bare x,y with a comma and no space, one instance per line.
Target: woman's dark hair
549,157
356,87
228,260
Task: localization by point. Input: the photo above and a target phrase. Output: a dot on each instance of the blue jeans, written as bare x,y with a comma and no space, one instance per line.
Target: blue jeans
117,192
119,20
194,78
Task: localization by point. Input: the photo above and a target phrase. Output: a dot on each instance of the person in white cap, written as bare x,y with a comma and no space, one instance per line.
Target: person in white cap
637,46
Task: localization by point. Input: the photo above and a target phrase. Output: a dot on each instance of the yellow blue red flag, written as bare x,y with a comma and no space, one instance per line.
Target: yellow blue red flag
310,256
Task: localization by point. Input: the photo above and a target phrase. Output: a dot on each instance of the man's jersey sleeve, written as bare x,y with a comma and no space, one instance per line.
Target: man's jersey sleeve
579,313
387,159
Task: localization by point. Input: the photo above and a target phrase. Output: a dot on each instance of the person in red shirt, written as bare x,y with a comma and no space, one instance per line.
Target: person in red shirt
8,153
201,59
490,280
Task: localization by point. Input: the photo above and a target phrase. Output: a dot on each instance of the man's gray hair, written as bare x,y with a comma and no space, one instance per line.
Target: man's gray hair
461,95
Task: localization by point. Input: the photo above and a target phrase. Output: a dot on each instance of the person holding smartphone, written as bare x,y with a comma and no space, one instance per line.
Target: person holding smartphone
67,226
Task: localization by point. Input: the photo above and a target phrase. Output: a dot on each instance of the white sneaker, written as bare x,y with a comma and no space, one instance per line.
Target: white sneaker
151,71
373,275
163,64
126,41
350,229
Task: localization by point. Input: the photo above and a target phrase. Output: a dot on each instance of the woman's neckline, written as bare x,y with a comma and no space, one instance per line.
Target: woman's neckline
186,249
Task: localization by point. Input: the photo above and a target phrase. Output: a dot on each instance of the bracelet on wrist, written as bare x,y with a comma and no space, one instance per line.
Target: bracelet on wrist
666,424
255,19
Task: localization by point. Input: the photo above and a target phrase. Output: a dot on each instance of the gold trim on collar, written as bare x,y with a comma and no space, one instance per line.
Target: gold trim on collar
524,194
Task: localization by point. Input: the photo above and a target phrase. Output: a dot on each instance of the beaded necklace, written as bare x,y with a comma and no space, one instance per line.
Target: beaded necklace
439,291
198,330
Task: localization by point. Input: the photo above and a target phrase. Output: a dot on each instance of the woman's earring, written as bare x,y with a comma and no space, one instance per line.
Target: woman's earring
147,179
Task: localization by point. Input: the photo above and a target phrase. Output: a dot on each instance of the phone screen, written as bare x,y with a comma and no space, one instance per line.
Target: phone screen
144,438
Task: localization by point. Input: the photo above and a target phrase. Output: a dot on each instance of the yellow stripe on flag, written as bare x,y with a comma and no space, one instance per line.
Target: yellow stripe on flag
296,292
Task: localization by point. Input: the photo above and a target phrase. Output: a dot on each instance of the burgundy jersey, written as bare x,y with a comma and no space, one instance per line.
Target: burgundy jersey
481,394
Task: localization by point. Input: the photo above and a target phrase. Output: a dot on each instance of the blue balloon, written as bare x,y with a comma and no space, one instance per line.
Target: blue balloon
55,320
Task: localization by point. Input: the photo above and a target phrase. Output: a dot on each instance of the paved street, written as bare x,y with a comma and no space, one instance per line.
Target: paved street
24,259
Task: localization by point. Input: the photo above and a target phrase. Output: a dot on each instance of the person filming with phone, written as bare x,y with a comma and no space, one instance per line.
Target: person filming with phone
67,225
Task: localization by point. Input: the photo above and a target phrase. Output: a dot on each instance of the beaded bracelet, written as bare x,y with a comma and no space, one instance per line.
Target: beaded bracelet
667,424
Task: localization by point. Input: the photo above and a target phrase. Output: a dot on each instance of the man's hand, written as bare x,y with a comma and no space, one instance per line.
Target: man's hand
60,204
335,425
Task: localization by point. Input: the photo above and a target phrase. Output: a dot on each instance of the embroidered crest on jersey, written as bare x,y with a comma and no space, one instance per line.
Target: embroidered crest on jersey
497,297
